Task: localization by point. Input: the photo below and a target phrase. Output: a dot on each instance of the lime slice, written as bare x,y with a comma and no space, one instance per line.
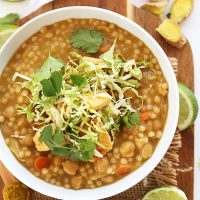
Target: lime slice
188,107
6,31
165,193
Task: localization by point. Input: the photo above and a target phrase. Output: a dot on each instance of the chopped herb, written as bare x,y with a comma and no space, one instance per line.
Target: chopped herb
52,86
61,151
58,137
78,80
75,86
9,19
56,81
131,119
46,134
88,40
50,65
55,142
87,148
75,156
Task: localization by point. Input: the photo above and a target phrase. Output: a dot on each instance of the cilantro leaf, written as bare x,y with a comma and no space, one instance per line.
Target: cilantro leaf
48,88
88,40
61,151
78,80
52,86
75,156
58,137
84,151
46,134
87,148
9,19
56,81
50,65
131,119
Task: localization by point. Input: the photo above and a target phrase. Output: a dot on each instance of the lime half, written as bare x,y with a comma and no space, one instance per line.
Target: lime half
6,31
188,107
165,193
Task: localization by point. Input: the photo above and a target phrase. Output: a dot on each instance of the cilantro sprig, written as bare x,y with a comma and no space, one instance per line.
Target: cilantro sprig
52,86
88,40
57,144
50,65
130,119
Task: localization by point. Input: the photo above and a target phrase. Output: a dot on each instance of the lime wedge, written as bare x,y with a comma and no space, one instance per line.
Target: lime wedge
6,31
188,107
165,193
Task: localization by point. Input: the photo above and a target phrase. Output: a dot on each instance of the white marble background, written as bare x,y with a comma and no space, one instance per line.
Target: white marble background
190,27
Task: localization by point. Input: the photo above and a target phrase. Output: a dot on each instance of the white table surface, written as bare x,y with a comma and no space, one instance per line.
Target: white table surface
190,27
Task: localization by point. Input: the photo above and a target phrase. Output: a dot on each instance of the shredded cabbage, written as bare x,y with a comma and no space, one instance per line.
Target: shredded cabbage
108,78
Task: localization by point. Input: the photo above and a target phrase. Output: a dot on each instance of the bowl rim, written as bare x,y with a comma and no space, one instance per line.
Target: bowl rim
133,178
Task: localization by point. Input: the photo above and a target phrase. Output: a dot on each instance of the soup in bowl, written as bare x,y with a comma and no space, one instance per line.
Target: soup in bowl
90,103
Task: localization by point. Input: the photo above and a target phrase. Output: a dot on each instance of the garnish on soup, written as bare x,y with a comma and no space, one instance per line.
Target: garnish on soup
88,111
72,104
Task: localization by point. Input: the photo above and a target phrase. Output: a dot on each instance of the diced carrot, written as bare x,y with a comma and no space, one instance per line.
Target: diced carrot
101,150
123,170
42,162
145,115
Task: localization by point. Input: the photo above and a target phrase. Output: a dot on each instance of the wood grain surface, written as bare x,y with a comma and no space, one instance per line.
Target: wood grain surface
185,68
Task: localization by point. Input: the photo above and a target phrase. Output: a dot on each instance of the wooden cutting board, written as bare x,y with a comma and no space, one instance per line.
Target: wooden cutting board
185,68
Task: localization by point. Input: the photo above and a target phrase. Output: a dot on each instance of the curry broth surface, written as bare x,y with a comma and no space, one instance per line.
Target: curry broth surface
31,55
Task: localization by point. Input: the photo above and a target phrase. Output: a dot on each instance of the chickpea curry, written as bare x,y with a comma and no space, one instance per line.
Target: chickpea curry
83,103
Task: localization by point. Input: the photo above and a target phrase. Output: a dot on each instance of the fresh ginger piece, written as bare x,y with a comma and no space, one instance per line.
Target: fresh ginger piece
158,3
156,7
171,32
180,9
158,11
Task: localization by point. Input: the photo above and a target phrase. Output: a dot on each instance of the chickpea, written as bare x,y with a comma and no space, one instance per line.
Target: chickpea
76,182
70,167
127,149
139,142
157,124
27,141
146,150
108,179
102,165
57,161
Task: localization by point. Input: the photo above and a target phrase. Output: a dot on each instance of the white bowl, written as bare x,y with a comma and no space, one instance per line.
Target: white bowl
51,17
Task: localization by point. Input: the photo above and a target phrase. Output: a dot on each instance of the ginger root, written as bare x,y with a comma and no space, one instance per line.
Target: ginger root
171,32
158,11
156,7
180,9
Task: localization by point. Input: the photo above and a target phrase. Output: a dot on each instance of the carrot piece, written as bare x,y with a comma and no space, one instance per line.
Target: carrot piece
123,170
145,115
42,162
